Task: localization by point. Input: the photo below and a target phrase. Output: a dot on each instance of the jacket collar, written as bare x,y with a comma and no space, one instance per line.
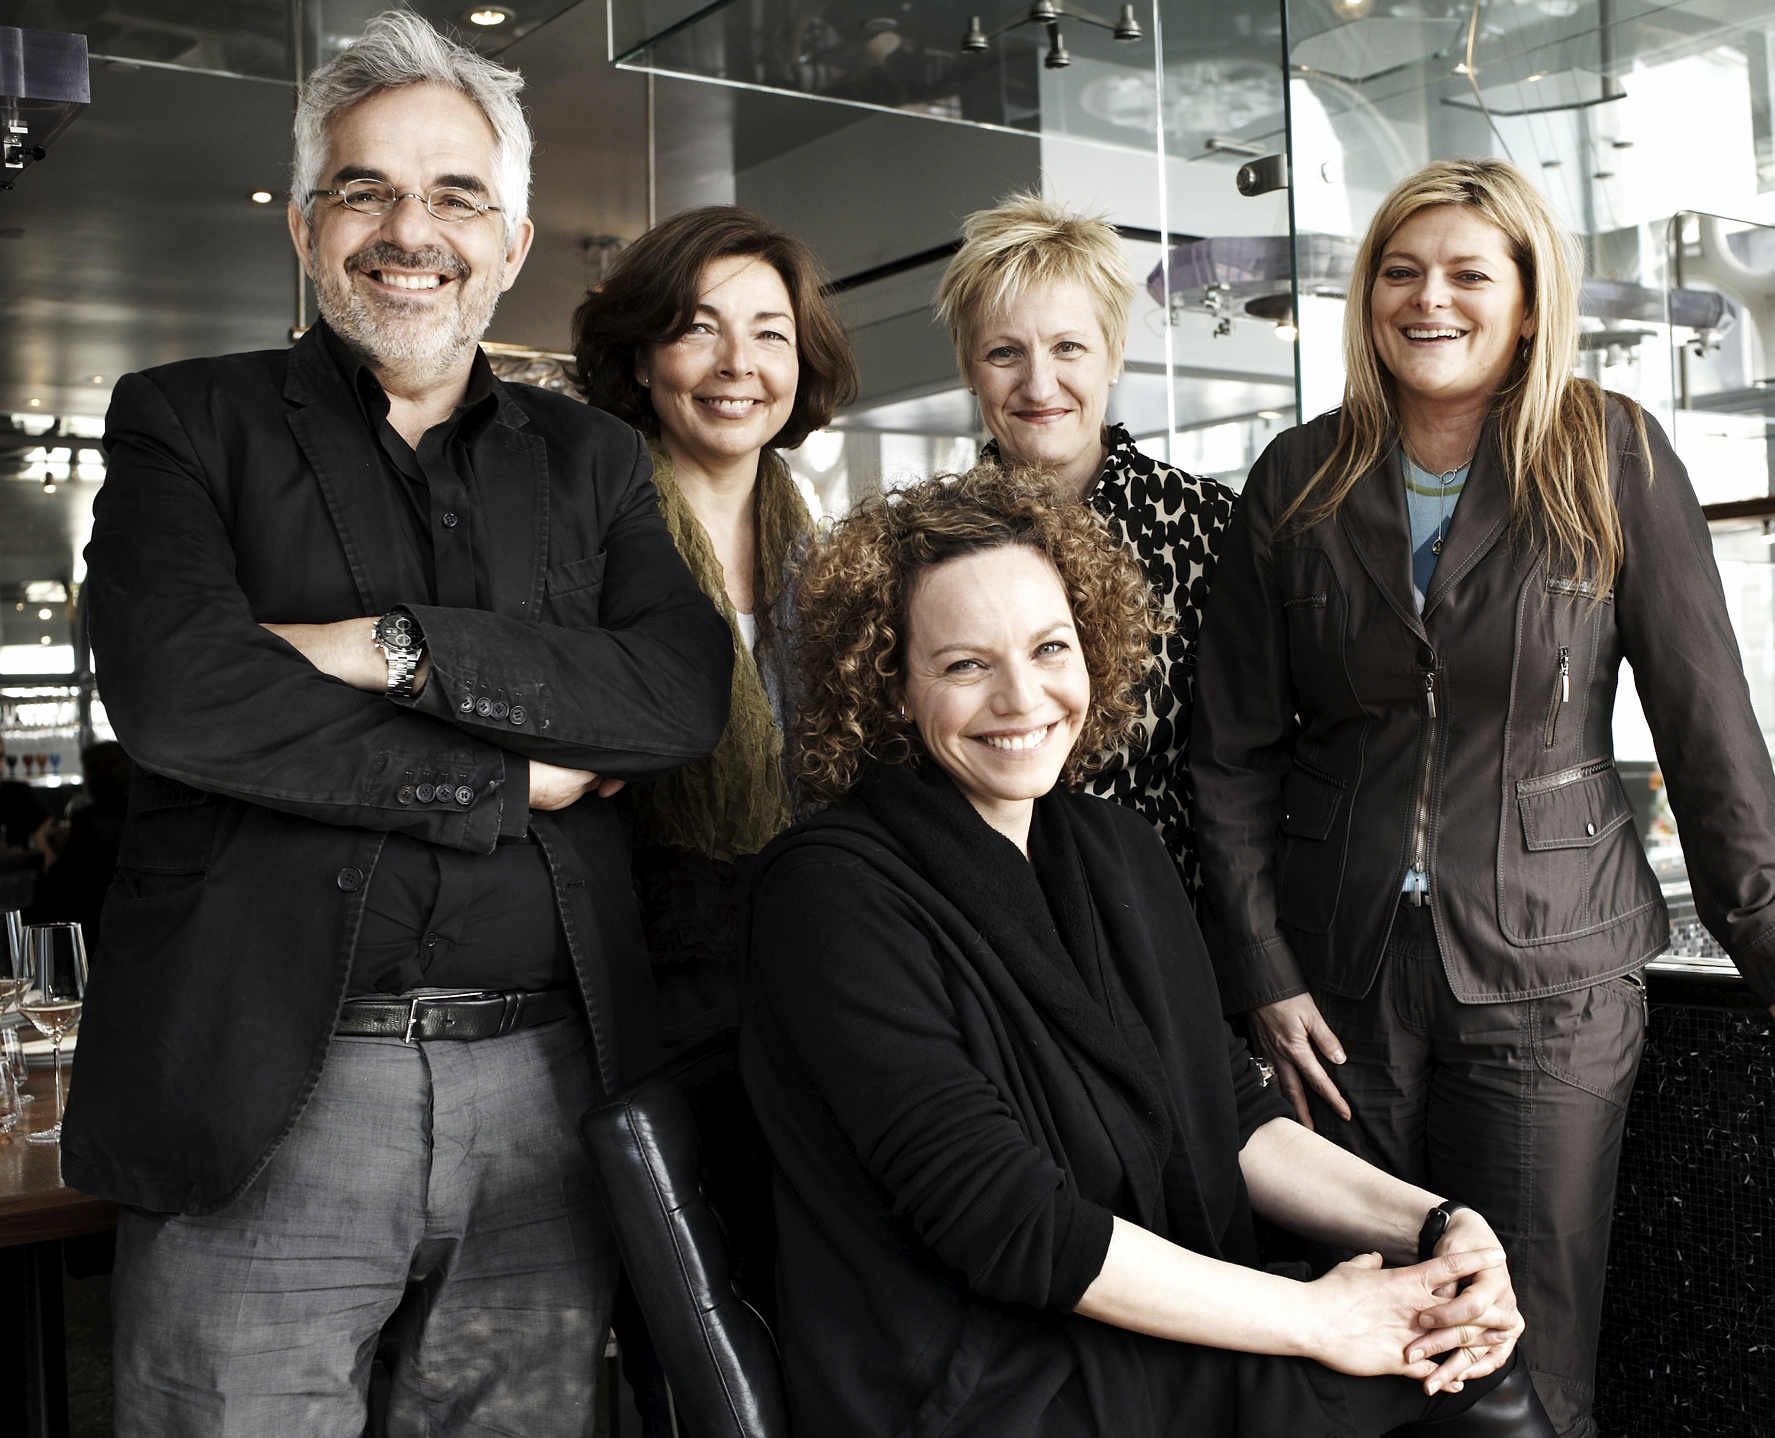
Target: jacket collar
329,424
1374,519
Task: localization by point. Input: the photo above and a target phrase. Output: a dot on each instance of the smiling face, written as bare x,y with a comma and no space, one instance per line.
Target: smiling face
995,679
1042,369
406,288
1448,310
725,386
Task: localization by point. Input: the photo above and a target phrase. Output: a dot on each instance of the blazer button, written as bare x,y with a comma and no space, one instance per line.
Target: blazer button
425,791
483,707
443,796
500,709
465,795
468,704
449,521
406,794
351,880
1426,657
517,714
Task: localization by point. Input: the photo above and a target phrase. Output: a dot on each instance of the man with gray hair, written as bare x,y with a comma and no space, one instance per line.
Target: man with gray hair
384,637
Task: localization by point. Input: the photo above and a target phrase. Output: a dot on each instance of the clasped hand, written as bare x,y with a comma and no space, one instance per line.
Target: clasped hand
347,651
1426,1321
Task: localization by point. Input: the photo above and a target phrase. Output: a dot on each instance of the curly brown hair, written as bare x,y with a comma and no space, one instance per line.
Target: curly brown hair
857,581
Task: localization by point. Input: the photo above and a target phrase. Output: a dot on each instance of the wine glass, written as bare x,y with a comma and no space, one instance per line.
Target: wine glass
56,954
12,963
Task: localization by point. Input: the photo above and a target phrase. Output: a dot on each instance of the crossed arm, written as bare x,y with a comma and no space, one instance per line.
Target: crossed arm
345,650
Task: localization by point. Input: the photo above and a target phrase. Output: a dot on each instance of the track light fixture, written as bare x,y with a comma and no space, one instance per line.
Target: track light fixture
1048,14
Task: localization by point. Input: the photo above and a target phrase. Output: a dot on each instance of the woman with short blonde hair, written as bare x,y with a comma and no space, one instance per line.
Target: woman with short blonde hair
1420,862
1037,303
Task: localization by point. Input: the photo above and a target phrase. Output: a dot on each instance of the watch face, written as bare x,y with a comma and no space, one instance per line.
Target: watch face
395,631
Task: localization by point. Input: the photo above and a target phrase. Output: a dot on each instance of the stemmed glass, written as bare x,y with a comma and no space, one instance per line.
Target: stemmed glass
56,955
14,979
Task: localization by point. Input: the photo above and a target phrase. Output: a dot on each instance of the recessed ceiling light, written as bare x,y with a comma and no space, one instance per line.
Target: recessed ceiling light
98,379
261,197
488,16
35,403
1269,414
44,613
45,638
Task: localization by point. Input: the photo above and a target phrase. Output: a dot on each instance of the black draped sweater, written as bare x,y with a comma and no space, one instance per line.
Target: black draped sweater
966,1063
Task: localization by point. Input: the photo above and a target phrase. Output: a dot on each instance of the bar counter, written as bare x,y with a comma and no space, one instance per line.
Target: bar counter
1688,1338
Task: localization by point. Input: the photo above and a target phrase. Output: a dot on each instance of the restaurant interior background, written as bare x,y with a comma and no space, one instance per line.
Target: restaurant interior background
154,230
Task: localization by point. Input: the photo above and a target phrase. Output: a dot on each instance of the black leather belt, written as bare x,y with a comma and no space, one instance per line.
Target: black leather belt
464,1014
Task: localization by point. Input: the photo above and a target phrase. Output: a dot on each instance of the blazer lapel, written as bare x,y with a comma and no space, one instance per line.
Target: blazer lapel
1375,522
1479,520
330,428
513,495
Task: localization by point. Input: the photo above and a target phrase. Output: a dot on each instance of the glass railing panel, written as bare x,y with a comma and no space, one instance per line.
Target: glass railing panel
250,38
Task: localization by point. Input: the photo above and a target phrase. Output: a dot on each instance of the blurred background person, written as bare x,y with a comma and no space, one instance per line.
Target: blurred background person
711,335
80,856
1037,303
1420,860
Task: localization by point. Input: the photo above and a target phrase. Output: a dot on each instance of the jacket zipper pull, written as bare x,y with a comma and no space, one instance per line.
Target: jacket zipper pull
1565,674
1430,693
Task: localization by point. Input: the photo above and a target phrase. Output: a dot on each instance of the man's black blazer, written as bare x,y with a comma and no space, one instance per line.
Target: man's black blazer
249,489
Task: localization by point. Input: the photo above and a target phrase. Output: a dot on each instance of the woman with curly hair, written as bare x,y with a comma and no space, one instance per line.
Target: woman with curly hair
1018,1151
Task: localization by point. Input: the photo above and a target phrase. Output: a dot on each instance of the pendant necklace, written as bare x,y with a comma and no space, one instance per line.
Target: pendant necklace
1441,497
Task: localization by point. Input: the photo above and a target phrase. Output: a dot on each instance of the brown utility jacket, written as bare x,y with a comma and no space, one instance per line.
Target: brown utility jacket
1338,733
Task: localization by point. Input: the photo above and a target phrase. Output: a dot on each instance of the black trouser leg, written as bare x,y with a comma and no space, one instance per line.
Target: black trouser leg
1517,1109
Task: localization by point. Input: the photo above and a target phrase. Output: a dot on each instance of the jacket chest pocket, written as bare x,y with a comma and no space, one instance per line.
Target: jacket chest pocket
1556,657
1310,864
571,591
1313,611
1573,863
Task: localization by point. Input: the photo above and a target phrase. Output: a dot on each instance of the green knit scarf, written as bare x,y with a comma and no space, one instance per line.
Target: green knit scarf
736,800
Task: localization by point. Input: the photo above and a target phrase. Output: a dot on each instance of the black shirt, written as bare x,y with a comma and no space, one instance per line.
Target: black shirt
436,917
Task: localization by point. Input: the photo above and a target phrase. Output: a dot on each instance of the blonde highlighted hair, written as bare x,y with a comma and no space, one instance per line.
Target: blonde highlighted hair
1551,425
1026,243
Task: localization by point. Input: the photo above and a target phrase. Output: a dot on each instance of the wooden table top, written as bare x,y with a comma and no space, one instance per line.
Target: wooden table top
34,1203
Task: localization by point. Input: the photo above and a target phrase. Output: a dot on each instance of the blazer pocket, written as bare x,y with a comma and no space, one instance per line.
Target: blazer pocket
572,590
1574,863
1310,871
576,575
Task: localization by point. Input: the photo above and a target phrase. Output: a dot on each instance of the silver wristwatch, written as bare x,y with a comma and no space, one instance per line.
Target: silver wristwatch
402,643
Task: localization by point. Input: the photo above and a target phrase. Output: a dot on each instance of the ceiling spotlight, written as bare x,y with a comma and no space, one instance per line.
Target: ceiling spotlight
44,613
488,16
35,403
1049,14
1269,414
98,379
261,197
49,486
1286,332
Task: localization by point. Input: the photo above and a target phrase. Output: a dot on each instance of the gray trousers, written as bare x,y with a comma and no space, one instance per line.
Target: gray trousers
1517,1109
432,1199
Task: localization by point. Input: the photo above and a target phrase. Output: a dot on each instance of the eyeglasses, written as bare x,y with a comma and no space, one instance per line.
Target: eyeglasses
372,197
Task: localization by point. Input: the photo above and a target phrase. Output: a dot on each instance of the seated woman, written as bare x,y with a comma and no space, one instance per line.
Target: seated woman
1019,1151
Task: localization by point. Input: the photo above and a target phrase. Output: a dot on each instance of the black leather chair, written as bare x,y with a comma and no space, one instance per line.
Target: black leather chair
686,1178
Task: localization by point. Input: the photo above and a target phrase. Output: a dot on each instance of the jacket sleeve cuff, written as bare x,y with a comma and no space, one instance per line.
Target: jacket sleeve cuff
1756,965
1264,973
1080,1253
514,809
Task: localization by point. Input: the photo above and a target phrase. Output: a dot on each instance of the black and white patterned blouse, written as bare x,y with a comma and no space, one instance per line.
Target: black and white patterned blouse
1173,522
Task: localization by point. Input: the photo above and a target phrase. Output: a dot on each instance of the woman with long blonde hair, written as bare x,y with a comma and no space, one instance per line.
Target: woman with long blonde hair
1420,868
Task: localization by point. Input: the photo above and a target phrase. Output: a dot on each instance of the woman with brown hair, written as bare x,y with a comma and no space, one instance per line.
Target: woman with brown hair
712,336
1420,863
1018,1150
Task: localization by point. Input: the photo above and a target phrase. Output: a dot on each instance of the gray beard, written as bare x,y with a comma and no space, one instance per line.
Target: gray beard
407,338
